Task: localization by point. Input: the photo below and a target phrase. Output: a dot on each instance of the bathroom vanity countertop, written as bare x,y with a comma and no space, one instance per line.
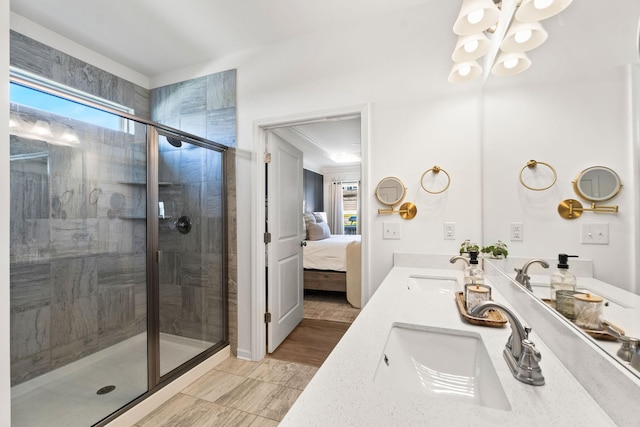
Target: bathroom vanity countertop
343,392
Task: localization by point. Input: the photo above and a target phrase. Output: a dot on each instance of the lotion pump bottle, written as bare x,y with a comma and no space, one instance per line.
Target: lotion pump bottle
562,279
473,275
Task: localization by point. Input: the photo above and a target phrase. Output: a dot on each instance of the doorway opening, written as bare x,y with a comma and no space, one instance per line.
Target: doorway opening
263,130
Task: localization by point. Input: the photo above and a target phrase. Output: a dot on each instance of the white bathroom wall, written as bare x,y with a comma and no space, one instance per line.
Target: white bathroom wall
571,124
5,369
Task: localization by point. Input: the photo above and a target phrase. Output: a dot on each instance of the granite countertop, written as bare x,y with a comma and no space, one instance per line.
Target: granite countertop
343,392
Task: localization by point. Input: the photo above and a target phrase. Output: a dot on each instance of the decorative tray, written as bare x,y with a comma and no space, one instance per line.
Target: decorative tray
494,318
602,334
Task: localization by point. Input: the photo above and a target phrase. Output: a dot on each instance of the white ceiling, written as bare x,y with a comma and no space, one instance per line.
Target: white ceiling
158,36
326,143
154,37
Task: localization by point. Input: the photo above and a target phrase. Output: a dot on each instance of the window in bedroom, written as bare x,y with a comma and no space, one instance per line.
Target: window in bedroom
351,207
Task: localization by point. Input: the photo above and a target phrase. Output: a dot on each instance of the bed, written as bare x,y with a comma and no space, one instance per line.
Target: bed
333,264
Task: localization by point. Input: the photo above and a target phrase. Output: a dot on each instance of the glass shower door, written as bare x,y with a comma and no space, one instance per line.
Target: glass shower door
78,249
191,249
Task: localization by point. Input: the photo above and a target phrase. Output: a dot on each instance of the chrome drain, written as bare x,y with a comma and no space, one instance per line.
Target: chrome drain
106,389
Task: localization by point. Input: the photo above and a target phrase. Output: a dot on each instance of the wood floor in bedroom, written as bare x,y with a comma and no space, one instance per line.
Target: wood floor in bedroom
311,342
327,316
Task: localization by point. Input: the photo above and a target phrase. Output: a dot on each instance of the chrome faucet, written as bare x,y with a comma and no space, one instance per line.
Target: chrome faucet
522,277
521,355
457,258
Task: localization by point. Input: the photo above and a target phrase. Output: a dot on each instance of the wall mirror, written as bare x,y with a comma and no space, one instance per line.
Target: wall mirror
549,112
597,184
390,191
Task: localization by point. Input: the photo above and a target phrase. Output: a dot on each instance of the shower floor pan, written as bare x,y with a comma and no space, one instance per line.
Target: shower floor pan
68,396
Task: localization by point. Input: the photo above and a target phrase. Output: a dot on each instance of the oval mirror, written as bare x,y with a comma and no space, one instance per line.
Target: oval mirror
390,191
597,184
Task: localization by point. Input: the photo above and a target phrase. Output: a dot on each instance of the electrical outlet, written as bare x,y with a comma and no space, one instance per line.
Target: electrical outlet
449,231
391,230
516,231
594,233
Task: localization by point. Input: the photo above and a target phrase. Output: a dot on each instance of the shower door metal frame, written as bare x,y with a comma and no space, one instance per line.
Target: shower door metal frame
153,261
156,382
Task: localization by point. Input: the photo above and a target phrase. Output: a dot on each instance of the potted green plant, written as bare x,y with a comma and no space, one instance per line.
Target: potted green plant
467,246
497,250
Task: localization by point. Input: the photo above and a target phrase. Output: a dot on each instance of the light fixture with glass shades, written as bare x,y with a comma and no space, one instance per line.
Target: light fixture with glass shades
537,10
501,31
476,16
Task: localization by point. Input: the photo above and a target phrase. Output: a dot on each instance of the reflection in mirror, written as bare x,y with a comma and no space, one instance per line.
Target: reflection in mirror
390,191
597,184
553,113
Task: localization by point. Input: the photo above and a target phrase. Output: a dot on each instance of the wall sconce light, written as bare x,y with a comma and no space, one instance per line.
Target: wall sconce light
523,36
464,71
537,10
514,28
42,128
511,63
476,16
471,47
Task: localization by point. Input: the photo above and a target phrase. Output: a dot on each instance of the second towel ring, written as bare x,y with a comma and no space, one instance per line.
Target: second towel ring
435,170
531,164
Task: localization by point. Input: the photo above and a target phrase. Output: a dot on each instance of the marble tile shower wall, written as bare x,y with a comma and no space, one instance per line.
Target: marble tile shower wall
191,269
42,60
77,252
205,106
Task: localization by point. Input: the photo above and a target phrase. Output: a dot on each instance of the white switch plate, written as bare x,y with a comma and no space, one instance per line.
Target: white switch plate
391,230
516,232
449,231
594,233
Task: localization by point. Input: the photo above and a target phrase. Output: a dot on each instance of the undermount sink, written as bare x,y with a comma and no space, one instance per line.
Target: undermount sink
440,362
429,284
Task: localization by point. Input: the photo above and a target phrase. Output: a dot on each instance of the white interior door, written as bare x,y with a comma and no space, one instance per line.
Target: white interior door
284,254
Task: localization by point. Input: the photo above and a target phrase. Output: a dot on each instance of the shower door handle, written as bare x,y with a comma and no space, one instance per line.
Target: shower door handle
158,256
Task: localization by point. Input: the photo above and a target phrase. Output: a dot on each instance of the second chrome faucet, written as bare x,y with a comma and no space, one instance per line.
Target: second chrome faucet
522,276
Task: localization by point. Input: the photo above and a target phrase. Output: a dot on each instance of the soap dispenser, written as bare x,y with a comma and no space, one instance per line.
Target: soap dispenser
473,274
562,279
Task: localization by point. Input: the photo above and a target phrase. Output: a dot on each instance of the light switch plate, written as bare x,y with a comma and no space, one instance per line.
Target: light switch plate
594,233
391,230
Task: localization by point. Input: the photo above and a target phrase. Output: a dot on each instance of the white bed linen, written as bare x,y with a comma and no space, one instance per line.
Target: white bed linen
328,254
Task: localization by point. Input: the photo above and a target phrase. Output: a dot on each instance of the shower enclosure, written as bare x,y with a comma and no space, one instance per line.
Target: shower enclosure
118,256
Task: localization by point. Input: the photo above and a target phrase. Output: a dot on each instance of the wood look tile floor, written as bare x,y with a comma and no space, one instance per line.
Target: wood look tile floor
235,393
242,393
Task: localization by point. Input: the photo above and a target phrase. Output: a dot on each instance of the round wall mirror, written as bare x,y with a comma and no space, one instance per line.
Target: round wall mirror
390,191
597,184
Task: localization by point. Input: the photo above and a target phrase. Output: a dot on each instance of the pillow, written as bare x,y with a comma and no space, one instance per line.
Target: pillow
318,231
320,216
309,218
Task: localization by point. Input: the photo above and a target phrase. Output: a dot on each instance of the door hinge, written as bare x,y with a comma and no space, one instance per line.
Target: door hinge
267,317
267,157
267,238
